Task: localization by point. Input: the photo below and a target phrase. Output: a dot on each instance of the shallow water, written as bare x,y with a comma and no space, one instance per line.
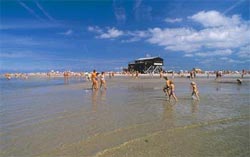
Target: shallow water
131,118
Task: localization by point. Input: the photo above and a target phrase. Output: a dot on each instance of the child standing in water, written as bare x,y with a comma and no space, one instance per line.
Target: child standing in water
172,92
195,91
103,82
166,88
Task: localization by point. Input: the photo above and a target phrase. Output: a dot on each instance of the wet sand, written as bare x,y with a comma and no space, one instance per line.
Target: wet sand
131,118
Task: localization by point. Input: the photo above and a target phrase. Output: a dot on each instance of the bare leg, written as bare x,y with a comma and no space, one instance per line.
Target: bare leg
196,94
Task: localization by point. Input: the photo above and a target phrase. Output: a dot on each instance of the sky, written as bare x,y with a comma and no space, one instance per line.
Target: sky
82,35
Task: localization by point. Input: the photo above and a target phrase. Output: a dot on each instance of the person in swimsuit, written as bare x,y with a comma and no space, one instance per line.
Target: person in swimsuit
94,80
172,91
195,91
166,88
103,82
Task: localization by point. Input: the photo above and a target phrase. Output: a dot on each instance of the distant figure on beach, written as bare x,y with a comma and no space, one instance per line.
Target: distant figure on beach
136,74
243,73
132,73
195,91
194,73
208,75
191,75
172,74
87,76
161,74
166,88
103,81
66,77
172,91
7,76
218,74
94,80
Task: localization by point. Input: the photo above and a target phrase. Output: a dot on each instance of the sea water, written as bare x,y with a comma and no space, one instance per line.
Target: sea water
133,117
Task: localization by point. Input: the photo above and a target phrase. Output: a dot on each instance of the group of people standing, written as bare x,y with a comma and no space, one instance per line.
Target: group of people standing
95,80
169,89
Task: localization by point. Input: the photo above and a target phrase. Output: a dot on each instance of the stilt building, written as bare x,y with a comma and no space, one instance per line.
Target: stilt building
146,65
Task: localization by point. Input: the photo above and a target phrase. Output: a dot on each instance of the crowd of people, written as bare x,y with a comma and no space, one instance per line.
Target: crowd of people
99,82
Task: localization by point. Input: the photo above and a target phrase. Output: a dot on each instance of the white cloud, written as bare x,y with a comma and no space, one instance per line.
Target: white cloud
169,20
188,55
95,29
221,37
191,40
130,40
215,19
226,52
138,34
134,36
111,33
178,39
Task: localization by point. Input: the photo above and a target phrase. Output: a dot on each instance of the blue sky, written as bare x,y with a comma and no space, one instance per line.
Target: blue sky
81,35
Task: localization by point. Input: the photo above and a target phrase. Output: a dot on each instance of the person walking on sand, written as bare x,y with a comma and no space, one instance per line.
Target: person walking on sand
166,88
136,74
195,91
172,91
94,80
103,81
161,74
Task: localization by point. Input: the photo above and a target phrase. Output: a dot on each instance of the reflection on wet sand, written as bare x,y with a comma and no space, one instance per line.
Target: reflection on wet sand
103,95
169,109
194,106
94,100
97,98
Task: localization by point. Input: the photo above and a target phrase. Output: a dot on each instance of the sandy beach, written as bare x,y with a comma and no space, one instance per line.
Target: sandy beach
45,117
